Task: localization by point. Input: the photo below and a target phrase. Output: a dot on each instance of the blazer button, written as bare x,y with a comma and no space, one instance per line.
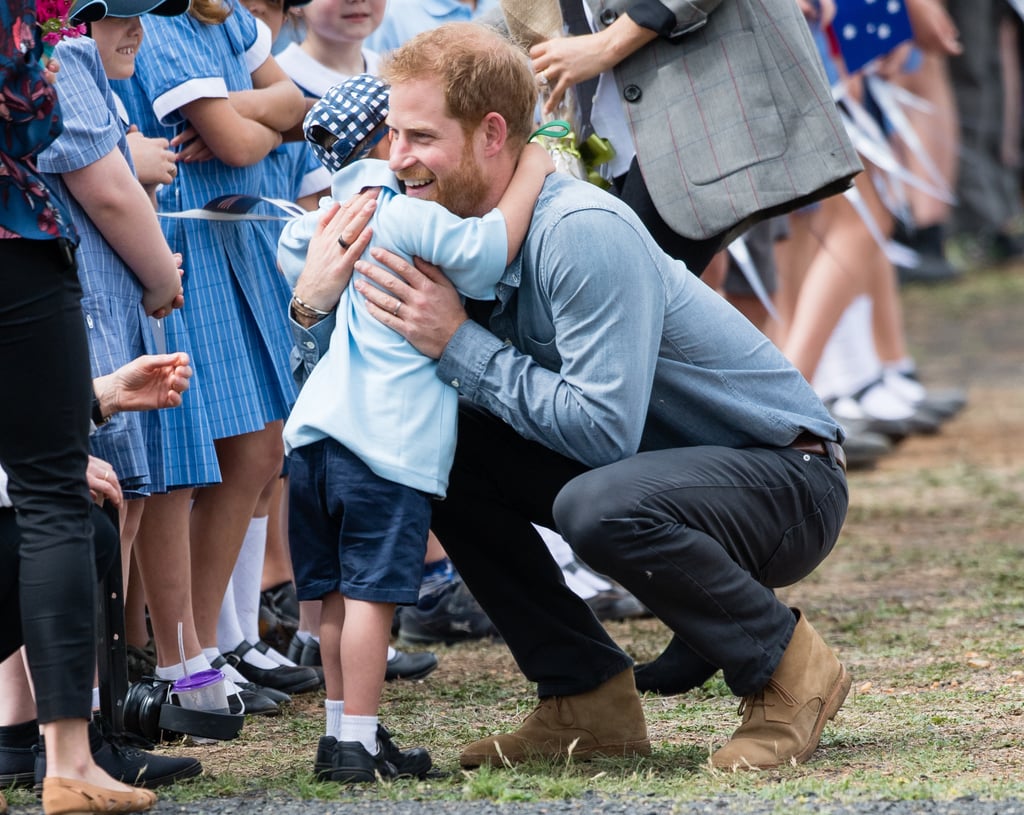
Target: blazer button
609,16
632,93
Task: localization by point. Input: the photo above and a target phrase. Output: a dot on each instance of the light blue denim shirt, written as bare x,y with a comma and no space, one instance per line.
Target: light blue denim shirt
596,327
603,346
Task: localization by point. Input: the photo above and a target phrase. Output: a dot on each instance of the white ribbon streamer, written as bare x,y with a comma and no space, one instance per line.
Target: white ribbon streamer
238,208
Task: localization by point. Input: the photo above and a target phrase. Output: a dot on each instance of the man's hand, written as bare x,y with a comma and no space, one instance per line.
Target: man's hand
146,383
329,264
102,481
421,304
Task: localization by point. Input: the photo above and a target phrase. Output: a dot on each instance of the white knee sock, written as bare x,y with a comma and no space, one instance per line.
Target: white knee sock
849,361
247,578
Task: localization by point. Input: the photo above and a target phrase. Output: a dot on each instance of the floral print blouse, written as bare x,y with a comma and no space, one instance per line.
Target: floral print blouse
29,121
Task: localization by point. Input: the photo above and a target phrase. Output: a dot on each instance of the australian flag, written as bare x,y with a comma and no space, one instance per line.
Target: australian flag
866,29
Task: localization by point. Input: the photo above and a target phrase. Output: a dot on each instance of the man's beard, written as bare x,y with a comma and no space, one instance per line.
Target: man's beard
464,190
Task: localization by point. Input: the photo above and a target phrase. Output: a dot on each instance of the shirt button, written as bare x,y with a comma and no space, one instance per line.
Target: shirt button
456,383
310,344
609,16
632,93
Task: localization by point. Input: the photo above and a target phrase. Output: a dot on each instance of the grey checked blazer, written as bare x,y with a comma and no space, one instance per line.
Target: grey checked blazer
731,114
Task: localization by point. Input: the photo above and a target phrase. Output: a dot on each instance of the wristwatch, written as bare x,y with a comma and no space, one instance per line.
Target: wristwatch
98,419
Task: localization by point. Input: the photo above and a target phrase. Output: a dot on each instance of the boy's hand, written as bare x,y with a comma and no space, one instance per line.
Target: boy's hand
341,237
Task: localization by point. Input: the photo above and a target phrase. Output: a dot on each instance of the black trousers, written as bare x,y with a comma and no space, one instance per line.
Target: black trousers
44,432
106,546
700,535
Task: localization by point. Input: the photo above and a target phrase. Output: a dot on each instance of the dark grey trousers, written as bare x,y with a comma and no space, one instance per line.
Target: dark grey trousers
700,535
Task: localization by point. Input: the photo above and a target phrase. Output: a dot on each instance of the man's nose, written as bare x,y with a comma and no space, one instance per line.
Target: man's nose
400,156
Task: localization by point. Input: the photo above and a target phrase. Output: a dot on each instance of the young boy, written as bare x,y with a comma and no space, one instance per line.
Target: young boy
372,434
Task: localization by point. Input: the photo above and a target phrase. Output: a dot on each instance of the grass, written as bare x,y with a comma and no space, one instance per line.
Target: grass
923,599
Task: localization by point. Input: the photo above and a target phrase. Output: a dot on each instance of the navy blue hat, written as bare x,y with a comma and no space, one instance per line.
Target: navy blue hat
89,11
348,121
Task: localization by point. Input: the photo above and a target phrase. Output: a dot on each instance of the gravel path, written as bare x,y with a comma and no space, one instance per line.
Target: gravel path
585,805
592,805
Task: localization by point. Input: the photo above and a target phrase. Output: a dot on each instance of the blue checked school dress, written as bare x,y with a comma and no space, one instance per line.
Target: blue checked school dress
116,324
235,300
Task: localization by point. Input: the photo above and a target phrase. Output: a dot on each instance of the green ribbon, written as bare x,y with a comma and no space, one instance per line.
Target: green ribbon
592,153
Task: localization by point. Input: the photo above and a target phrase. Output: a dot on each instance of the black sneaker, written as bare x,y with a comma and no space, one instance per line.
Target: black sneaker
453,616
351,764
121,757
18,754
412,763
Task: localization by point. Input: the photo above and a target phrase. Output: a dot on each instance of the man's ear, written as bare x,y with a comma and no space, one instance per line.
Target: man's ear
493,132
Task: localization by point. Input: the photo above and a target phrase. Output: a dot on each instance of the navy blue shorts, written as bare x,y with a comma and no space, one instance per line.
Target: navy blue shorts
351,531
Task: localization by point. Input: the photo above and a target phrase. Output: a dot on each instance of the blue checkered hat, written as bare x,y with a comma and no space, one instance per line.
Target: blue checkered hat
346,123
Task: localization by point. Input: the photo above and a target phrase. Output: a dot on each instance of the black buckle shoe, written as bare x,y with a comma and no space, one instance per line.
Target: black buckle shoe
297,679
18,754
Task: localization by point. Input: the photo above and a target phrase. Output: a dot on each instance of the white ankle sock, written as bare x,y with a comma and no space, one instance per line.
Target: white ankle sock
175,670
362,729
392,653
95,698
335,709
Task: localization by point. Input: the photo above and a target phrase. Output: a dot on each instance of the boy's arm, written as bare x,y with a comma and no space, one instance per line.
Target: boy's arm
520,196
119,207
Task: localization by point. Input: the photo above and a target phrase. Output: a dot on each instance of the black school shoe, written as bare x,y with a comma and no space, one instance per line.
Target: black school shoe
351,764
18,754
258,701
412,763
122,758
297,679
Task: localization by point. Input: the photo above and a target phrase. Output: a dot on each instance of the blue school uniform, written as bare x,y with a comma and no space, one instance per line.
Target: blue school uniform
116,324
236,302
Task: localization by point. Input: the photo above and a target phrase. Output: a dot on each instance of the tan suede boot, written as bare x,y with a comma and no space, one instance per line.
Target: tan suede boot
783,722
607,720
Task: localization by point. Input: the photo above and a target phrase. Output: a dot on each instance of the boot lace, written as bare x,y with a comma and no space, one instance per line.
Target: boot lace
758,699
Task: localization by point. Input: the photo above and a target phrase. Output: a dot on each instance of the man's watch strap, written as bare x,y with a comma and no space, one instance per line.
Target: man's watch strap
98,419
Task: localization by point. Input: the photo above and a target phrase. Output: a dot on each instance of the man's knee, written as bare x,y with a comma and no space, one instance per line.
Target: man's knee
584,512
